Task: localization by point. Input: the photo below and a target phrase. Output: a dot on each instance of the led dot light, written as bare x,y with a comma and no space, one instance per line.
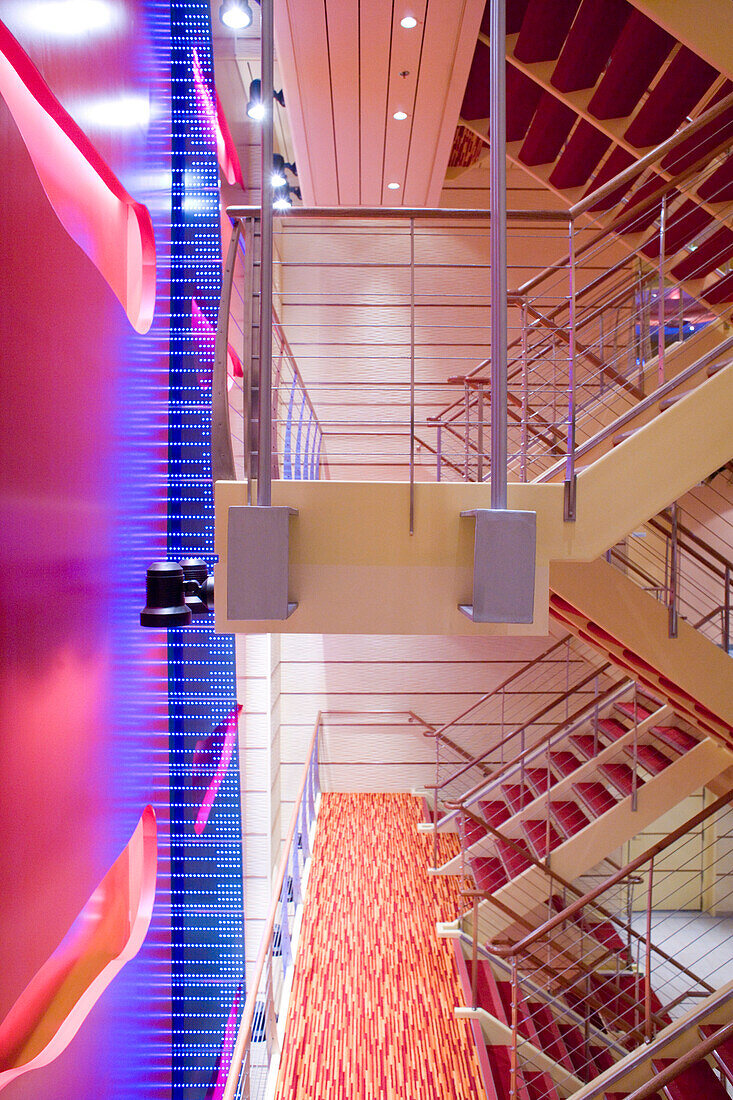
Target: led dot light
408,22
400,116
393,186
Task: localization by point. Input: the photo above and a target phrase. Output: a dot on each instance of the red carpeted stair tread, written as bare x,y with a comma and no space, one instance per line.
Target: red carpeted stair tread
548,1034
601,1057
537,833
723,1054
621,777
564,762
605,933
612,728
628,709
513,857
488,873
588,745
574,1042
517,796
487,995
569,817
539,779
696,1083
651,758
501,1070
679,740
495,813
596,797
539,1085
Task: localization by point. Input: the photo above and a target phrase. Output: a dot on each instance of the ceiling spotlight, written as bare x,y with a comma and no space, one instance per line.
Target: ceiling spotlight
175,592
393,186
279,165
400,116
408,22
235,14
255,106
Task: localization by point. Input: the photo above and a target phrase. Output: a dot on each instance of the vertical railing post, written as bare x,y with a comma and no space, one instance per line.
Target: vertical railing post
726,610
439,450
412,376
435,801
661,303
497,167
466,398
673,575
635,762
264,463
474,956
569,512
648,957
525,384
513,1066
480,432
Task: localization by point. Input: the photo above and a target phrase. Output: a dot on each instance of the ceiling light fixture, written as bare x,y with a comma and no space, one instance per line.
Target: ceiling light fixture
393,186
235,14
408,22
255,106
282,197
400,116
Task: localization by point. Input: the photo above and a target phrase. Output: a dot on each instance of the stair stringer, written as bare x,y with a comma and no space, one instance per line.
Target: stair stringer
600,605
523,894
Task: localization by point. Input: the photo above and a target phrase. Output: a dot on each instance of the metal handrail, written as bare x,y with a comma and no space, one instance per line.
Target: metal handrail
399,212
685,1061
244,1033
695,540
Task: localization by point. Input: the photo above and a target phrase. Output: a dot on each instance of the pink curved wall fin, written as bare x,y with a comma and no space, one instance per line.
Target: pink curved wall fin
113,230
108,932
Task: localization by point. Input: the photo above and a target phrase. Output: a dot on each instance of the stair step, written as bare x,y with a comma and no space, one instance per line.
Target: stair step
587,744
651,758
487,995
539,1085
517,796
515,862
564,762
495,813
470,830
623,1095
612,728
602,1058
621,777
604,931
716,367
548,1034
596,797
574,1042
537,832
722,1054
500,1069
569,817
679,740
539,779
488,873
696,1083
628,709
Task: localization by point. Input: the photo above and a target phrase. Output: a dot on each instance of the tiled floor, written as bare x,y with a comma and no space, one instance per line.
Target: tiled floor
371,1014
701,943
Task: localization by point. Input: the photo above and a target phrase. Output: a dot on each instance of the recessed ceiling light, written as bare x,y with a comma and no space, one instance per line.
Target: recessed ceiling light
399,115
393,186
408,22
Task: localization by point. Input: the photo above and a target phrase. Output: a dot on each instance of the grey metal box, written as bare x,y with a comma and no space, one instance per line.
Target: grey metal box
503,566
257,563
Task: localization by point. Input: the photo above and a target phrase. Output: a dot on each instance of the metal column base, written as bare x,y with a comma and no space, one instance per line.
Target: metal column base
503,566
257,563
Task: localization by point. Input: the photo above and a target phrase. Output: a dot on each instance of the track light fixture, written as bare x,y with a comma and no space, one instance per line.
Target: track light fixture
255,106
235,14
279,165
282,199
175,592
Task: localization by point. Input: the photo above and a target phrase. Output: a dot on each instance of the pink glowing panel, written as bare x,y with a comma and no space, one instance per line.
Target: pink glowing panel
108,932
211,110
225,738
227,1049
204,337
114,231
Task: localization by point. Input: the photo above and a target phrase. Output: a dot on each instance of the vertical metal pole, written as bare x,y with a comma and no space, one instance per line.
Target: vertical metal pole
635,760
480,433
412,376
513,1063
474,959
648,957
438,450
467,399
525,383
660,303
726,610
497,164
570,481
673,575
264,472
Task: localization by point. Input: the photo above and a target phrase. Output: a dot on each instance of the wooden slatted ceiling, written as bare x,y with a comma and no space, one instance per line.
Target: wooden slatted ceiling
343,65
371,1012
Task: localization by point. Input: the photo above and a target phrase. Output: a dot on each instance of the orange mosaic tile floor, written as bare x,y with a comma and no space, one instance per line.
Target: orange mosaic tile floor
371,1014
